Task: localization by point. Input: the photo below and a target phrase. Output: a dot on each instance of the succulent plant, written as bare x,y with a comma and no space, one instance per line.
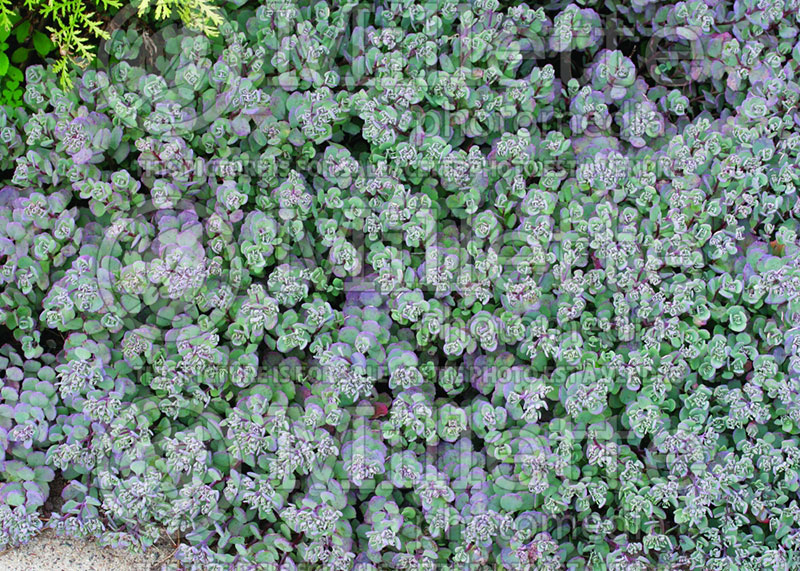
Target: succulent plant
414,286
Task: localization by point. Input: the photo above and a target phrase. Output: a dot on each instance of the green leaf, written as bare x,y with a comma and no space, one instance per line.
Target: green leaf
20,55
19,471
42,43
4,63
511,502
15,498
131,303
80,432
38,400
43,474
82,354
221,460
23,31
75,323
92,327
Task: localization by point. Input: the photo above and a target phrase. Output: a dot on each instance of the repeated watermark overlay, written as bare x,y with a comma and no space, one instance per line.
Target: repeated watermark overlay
164,256
174,59
171,270
157,258
524,469
166,66
171,61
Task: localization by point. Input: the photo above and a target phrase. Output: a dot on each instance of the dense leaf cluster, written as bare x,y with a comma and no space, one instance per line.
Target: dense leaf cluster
413,285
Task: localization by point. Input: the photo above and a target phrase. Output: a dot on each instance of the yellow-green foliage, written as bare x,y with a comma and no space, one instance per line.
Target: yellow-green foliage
6,10
198,15
75,25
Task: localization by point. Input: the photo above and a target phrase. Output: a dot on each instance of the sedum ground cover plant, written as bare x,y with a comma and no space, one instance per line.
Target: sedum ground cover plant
411,285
